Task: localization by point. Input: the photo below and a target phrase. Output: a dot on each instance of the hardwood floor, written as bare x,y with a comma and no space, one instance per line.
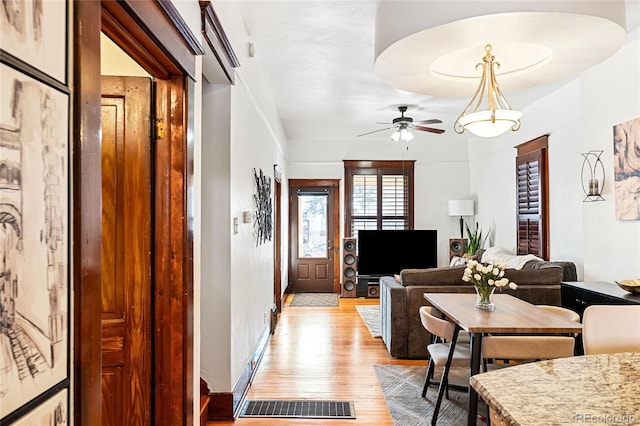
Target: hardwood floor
323,353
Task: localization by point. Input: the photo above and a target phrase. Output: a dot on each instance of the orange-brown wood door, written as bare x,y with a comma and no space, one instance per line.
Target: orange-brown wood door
126,251
313,235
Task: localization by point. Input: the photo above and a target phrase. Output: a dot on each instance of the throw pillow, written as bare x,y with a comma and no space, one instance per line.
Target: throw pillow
497,255
458,261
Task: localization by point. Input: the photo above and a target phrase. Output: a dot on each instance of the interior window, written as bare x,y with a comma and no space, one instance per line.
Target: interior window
378,195
532,203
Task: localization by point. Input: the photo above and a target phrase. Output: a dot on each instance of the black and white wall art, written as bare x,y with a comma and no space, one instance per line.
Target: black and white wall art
34,246
34,31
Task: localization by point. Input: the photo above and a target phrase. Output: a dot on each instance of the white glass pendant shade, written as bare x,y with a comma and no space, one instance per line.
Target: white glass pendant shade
497,117
482,124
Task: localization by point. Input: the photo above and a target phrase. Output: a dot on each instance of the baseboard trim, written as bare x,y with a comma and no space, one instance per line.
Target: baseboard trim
226,405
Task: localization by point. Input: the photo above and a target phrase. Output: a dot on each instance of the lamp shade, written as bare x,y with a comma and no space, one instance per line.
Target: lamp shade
461,208
487,125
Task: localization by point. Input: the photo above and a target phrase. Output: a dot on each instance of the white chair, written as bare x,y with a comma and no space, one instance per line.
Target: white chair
526,348
611,329
567,313
443,352
531,347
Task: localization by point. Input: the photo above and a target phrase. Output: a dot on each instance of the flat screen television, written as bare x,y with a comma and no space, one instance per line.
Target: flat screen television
387,252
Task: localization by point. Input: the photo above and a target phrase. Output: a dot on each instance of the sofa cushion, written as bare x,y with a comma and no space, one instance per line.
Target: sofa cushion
451,275
547,274
569,272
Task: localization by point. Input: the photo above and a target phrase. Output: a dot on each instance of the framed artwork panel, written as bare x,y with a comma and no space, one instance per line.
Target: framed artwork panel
53,412
626,168
34,247
35,32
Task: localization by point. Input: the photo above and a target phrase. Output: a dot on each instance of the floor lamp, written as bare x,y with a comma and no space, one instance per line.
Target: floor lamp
461,208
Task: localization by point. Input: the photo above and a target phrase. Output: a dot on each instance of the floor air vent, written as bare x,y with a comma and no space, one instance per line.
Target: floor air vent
299,409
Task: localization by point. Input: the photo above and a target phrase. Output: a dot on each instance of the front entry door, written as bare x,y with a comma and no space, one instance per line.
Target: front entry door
126,251
312,238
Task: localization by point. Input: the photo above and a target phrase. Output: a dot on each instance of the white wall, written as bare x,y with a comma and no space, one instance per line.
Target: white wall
441,173
578,118
240,133
610,95
216,228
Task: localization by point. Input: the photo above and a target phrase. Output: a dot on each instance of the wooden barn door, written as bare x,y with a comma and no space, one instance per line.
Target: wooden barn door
126,251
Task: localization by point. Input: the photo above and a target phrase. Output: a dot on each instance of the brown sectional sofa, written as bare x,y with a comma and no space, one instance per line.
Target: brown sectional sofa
400,300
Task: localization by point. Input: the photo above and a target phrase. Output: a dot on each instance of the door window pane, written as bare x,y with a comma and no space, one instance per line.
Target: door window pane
312,226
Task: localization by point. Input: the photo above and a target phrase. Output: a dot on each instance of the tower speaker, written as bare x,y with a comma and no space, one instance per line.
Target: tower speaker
457,247
349,268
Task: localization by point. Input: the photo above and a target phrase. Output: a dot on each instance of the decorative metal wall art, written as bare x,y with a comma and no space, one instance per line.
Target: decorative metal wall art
263,215
626,169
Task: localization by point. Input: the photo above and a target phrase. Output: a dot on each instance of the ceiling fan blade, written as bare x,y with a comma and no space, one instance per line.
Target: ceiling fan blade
378,122
432,121
375,131
429,129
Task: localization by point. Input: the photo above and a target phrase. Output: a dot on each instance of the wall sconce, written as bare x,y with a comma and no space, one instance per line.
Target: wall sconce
592,176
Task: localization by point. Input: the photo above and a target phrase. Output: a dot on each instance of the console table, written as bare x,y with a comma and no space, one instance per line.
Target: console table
578,295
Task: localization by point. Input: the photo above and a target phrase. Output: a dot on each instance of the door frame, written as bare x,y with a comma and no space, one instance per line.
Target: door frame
154,34
277,239
335,184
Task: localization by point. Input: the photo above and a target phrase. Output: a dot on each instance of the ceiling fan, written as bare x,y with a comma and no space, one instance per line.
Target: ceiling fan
403,124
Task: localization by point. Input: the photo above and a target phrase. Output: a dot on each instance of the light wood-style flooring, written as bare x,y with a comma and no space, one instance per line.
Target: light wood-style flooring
323,353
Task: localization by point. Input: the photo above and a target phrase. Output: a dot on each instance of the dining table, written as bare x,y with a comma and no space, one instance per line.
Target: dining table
511,316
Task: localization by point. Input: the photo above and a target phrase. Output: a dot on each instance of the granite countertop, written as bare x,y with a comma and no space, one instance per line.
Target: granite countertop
601,389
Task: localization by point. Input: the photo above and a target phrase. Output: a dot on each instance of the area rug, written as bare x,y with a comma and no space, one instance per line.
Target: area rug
402,389
315,299
371,316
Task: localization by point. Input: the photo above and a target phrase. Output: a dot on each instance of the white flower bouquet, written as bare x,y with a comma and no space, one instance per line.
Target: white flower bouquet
486,278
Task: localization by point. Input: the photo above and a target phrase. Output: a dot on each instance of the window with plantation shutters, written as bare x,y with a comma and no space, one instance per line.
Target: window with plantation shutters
532,198
379,195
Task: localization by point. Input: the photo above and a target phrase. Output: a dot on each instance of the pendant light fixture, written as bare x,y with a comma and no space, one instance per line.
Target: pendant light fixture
497,117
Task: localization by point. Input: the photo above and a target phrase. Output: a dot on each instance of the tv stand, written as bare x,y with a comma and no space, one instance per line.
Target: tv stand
368,286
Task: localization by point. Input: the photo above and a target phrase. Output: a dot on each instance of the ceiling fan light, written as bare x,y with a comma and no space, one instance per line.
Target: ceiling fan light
406,135
483,124
395,136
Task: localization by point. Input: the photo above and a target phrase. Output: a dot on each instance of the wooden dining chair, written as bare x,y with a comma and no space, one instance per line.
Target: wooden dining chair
443,352
611,329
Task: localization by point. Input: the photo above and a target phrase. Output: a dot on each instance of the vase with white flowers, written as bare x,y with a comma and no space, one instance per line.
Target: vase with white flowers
486,278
